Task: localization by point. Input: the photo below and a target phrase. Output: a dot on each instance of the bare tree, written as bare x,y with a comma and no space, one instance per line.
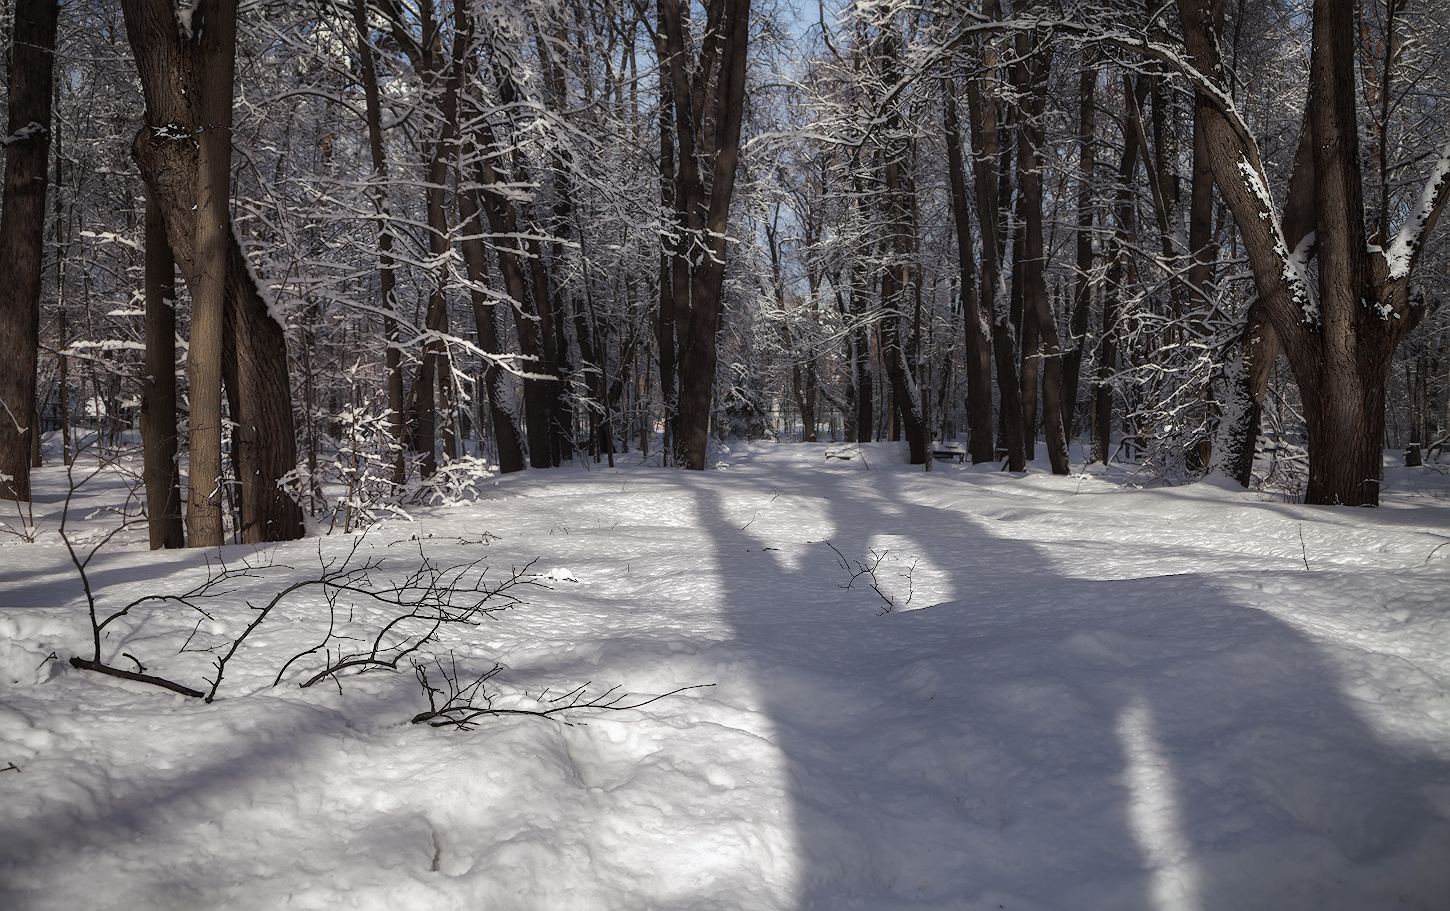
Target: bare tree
1341,332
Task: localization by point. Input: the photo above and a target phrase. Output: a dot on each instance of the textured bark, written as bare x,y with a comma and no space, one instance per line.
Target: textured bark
1082,286
441,77
171,68
213,136
1031,78
979,355
1339,346
709,108
158,391
505,424
896,278
992,156
22,226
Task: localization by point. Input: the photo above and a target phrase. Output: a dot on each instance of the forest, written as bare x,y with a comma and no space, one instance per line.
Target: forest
434,239
725,455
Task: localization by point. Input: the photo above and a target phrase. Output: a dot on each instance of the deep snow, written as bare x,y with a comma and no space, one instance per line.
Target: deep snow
1097,697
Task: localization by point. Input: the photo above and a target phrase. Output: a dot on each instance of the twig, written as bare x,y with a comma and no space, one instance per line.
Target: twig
857,569
1303,548
460,711
1435,548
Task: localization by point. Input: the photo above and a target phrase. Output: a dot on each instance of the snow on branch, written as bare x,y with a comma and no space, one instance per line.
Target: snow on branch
1411,236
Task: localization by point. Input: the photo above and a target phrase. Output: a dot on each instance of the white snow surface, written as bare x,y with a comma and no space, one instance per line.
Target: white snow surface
1096,697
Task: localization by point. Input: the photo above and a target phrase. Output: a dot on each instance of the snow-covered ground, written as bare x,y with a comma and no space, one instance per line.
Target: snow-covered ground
1083,696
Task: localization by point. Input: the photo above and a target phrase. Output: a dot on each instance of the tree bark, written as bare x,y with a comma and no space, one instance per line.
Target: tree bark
172,67
1082,283
709,110
979,355
22,226
208,298
505,424
158,390
1339,345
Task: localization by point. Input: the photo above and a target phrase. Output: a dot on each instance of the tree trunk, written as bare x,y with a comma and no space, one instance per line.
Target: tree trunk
158,390
1339,346
991,154
503,221
208,297
22,226
1082,284
708,113
979,354
505,424
393,357
63,381
171,67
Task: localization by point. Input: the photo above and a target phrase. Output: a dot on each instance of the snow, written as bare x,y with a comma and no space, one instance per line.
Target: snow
1295,263
1412,233
1097,697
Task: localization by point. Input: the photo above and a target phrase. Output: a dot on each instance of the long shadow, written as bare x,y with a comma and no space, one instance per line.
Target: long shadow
1033,740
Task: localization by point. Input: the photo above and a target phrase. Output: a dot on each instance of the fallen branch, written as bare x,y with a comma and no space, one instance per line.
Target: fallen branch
98,667
461,711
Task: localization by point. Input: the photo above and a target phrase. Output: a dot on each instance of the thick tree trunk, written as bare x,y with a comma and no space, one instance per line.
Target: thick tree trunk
208,296
708,117
1339,345
158,390
22,226
171,67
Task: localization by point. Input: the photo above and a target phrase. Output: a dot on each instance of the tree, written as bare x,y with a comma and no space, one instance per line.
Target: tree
183,151
1339,334
708,95
22,225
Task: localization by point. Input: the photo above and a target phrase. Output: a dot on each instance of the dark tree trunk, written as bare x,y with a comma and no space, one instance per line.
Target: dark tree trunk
1031,71
503,221
672,269
158,390
1339,346
505,424
991,155
709,107
393,357
1082,284
908,417
979,354
172,68
1123,209
22,226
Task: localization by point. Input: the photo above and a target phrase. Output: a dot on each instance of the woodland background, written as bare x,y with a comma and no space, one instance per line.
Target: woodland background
471,236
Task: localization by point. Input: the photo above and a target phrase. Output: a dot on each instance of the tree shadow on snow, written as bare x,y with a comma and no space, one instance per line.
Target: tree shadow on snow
1038,741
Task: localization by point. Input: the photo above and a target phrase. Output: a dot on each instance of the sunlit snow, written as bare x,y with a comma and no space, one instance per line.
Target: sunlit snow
1068,694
